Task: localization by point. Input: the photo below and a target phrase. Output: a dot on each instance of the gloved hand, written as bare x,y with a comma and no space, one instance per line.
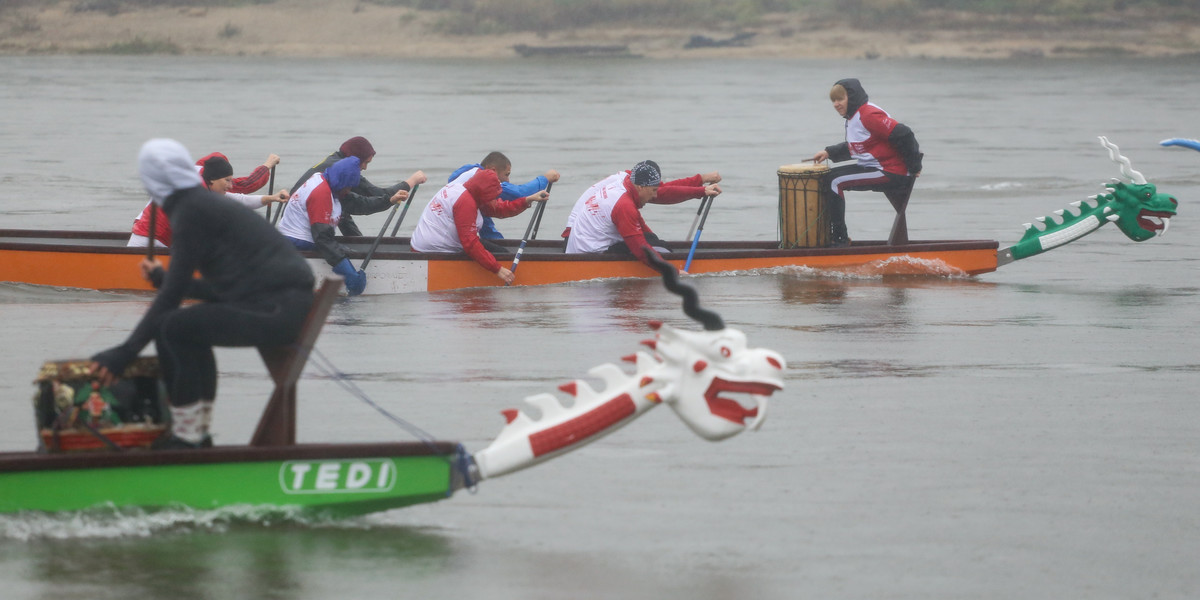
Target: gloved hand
356,281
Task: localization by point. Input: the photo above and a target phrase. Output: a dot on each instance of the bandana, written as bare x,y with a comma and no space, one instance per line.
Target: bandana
216,167
646,173
343,174
357,146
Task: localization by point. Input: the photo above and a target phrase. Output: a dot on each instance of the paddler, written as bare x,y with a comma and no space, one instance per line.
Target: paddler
217,174
451,220
498,162
316,208
256,291
608,217
886,154
364,198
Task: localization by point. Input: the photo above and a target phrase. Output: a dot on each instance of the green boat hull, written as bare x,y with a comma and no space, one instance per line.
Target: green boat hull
335,480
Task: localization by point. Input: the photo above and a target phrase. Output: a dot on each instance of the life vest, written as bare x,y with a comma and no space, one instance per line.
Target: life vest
592,227
436,231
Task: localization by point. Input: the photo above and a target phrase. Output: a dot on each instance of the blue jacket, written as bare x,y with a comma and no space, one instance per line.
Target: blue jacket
508,191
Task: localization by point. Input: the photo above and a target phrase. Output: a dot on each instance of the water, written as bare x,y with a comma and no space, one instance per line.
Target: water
1027,433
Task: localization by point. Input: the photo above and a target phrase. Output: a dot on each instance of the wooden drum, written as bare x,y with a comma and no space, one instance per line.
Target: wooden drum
803,222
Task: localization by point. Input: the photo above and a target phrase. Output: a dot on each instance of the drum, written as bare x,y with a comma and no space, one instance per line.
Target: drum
803,222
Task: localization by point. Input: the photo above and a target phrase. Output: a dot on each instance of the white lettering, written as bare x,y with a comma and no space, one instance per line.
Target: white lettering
298,472
327,476
359,475
385,470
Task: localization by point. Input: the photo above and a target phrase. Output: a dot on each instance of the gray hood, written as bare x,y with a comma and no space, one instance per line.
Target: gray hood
165,168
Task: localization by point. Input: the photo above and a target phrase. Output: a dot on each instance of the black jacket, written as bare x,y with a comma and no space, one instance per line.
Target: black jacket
363,199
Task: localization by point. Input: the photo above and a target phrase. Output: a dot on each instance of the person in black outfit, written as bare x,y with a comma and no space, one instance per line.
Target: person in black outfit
365,197
257,290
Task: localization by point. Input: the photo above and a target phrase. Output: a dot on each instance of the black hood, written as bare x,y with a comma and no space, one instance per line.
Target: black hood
856,96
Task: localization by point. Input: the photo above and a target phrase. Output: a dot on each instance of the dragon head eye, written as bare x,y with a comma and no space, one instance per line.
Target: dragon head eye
725,351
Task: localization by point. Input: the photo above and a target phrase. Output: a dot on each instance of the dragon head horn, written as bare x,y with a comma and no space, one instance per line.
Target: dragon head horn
1126,168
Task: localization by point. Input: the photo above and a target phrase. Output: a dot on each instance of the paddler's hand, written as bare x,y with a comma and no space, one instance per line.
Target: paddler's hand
102,374
712,189
552,176
820,157
149,265
272,160
399,197
541,196
280,196
506,276
415,179
713,177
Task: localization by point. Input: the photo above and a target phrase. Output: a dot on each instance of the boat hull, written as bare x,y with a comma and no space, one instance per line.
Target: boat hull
334,480
101,261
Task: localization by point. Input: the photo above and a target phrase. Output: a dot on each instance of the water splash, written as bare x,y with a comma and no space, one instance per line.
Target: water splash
111,522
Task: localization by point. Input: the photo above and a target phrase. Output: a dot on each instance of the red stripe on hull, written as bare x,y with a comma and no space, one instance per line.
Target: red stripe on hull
582,427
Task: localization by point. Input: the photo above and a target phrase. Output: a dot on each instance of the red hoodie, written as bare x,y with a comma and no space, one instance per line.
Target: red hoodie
482,196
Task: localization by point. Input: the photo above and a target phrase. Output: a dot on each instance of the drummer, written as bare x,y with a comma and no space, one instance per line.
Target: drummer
607,217
888,158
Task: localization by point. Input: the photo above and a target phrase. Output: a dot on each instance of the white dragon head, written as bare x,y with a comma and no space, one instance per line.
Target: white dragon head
720,386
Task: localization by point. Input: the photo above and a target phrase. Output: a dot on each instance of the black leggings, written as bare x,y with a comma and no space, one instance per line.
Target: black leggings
188,334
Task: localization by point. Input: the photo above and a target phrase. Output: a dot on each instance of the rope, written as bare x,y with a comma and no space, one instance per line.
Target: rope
461,461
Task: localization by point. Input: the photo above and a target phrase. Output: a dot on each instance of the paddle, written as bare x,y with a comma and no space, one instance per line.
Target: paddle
153,224
705,204
537,216
271,191
391,214
412,192
538,223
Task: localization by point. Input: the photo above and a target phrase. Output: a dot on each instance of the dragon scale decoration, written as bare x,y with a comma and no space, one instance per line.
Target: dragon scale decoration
700,375
1138,210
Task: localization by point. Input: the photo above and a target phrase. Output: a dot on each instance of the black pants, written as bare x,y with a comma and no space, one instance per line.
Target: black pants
623,248
846,178
188,334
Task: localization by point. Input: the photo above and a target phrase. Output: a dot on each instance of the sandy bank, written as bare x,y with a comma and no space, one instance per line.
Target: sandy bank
349,28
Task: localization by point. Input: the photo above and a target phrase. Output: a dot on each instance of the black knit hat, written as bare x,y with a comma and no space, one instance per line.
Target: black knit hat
216,168
646,173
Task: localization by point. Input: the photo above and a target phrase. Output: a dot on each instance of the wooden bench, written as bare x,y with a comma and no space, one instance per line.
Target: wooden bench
277,426
899,199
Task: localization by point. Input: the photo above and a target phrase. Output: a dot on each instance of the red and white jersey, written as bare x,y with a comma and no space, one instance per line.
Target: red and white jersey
591,222
867,134
436,231
312,203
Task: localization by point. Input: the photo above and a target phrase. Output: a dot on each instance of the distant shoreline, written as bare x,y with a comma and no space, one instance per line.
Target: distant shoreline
347,28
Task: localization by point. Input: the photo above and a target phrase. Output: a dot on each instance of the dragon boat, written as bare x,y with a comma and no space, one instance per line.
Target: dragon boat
100,260
94,442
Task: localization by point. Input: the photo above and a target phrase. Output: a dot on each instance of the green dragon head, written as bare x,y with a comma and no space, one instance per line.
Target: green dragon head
1139,211
1137,208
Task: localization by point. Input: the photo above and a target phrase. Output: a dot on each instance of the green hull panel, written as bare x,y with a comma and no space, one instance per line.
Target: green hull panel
333,486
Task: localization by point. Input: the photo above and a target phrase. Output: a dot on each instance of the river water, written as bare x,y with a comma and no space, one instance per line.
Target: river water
1029,433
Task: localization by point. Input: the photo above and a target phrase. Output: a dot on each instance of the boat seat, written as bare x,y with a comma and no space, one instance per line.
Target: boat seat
277,427
899,199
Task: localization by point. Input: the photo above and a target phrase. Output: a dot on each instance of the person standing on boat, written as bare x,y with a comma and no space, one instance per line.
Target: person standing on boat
498,162
256,291
887,156
451,220
217,174
365,198
608,217
316,208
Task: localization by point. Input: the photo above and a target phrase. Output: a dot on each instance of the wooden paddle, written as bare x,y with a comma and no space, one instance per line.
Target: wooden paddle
153,223
705,204
270,191
411,193
537,216
391,214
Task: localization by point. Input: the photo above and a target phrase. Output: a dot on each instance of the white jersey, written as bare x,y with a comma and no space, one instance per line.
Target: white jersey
294,223
592,227
436,231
